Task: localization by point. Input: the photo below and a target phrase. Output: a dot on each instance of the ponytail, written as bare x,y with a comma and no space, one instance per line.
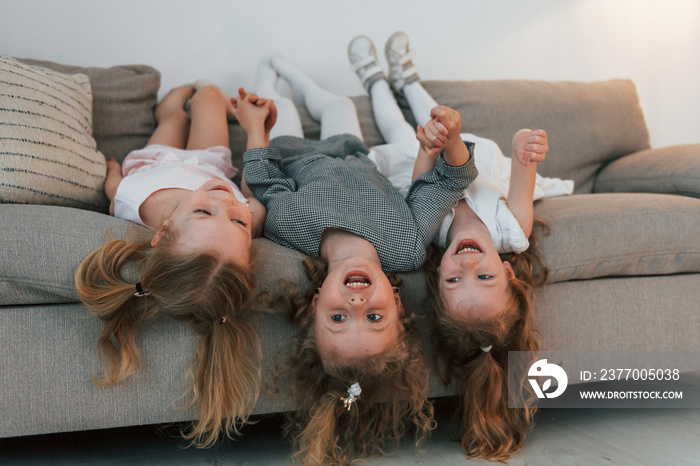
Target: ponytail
100,286
474,353
225,380
224,376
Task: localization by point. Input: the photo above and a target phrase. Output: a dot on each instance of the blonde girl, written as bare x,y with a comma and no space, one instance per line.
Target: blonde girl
480,277
326,199
194,267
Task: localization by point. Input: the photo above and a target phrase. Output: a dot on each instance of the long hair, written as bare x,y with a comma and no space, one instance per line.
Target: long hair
198,288
394,389
488,428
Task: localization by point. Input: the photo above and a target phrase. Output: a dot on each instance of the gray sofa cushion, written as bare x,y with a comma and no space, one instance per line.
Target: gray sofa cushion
587,124
591,236
42,246
670,170
597,235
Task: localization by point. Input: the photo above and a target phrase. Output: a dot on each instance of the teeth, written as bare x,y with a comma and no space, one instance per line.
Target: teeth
467,249
357,285
357,281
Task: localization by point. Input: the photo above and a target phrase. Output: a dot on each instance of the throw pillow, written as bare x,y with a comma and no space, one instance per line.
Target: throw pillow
47,152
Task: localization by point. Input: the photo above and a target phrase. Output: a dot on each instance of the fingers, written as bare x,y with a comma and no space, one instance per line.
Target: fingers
448,117
530,146
426,142
272,117
536,146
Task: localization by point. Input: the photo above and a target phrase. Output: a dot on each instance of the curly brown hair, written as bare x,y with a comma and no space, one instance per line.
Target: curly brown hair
394,388
198,288
488,428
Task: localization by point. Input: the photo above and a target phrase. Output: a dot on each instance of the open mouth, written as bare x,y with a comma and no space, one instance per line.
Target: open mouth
357,280
467,247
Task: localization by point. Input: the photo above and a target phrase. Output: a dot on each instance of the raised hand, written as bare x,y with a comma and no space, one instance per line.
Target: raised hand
530,146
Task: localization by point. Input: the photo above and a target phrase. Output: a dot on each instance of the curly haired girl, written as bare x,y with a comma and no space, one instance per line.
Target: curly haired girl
482,302
351,407
327,200
196,266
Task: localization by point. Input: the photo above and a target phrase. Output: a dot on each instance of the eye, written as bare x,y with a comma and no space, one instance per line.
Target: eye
201,211
374,317
485,277
240,222
338,318
453,280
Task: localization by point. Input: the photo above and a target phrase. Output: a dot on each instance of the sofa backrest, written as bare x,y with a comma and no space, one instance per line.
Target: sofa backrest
588,124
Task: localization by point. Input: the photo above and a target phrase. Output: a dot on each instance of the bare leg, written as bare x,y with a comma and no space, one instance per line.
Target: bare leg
173,121
210,106
336,114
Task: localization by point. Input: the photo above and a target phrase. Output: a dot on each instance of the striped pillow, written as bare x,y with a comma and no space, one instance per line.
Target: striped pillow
47,152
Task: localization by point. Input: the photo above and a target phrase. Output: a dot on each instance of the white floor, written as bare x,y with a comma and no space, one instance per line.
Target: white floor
561,437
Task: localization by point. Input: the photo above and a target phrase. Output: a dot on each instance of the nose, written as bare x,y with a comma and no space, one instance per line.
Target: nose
357,300
468,262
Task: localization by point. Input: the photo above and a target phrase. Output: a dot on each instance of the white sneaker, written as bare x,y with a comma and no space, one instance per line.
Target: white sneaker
399,55
363,58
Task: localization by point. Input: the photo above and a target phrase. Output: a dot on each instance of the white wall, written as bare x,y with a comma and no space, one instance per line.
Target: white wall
656,43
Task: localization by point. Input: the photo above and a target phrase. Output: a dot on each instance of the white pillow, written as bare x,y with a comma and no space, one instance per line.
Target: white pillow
47,152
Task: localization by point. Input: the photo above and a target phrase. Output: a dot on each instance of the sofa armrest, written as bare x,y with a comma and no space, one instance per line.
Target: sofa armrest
665,170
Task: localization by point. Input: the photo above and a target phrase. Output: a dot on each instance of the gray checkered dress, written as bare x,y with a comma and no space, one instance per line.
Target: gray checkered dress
308,186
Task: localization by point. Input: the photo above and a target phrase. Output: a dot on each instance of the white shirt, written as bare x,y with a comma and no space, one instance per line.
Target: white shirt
159,167
486,196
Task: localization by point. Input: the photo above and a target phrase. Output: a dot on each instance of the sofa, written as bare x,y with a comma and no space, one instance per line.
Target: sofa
623,251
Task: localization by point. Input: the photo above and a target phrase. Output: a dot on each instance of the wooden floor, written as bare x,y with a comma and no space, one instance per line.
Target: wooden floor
561,437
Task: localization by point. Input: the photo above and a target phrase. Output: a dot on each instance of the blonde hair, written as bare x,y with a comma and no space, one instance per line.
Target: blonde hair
488,428
394,389
198,288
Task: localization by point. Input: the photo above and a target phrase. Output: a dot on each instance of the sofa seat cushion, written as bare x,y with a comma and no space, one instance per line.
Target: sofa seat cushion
41,246
619,234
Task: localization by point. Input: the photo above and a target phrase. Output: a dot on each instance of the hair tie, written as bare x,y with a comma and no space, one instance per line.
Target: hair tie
353,393
486,349
140,292
222,321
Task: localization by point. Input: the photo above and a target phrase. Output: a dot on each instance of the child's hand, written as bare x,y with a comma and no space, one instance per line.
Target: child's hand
253,112
432,137
452,122
530,146
455,152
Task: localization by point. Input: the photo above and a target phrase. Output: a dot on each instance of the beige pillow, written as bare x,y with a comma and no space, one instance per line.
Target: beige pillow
47,152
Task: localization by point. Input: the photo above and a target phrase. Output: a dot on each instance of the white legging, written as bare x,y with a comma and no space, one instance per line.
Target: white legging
337,114
388,115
